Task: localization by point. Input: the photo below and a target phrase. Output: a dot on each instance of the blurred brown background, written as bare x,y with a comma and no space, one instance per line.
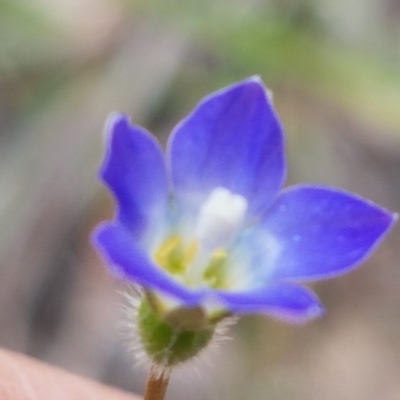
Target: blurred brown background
65,64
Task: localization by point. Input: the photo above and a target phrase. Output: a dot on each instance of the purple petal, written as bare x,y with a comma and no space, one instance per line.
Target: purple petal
233,139
134,169
285,301
313,232
119,249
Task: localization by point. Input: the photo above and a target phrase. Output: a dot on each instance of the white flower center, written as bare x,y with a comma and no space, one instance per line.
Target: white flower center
220,217
202,258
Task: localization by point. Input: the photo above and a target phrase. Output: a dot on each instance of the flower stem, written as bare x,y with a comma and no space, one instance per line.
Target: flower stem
157,383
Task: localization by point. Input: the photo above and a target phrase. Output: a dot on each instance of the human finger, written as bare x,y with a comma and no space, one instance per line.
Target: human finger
23,378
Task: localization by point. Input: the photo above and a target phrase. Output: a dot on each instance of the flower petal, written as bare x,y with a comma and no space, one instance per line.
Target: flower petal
131,262
281,300
312,232
233,139
134,169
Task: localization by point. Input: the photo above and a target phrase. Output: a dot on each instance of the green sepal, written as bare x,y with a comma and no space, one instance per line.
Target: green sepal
167,344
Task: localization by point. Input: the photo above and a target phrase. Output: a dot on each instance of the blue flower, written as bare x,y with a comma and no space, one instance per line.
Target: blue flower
207,225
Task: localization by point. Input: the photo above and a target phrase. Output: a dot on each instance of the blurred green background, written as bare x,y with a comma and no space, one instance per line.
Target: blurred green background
333,67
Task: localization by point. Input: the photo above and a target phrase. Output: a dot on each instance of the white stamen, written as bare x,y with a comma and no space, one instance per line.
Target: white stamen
220,217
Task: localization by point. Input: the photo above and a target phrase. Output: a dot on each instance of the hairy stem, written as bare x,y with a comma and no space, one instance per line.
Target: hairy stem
157,383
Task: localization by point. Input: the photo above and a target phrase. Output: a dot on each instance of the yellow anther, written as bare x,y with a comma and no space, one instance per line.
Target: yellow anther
219,254
167,247
180,259
190,253
174,256
214,272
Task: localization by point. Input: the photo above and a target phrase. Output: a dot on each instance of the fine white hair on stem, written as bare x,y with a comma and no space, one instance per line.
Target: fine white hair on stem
132,298
203,361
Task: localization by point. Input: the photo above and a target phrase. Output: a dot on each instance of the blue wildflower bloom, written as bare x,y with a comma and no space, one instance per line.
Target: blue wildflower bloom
207,226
